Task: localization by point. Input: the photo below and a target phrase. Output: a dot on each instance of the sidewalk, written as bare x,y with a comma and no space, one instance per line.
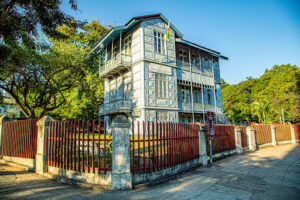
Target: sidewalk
270,173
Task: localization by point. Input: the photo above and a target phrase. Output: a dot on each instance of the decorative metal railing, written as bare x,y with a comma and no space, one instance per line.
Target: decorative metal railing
113,63
115,106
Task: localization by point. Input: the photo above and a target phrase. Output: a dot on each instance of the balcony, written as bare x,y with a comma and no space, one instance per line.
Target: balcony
198,107
196,69
119,106
115,65
183,65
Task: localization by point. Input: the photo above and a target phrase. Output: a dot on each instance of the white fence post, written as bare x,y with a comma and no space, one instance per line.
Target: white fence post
293,134
121,178
202,145
251,138
273,133
238,140
3,119
41,157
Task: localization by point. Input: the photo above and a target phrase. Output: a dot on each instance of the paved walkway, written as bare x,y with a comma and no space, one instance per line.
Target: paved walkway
270,173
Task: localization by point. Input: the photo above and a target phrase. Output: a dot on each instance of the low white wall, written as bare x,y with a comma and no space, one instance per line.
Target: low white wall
161,174
28,162
99,179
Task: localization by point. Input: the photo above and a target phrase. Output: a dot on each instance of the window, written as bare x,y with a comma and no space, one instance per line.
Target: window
196,97
159,43
162,116
161,87
208,96
127,46
185,95
216,94
183,55
195,60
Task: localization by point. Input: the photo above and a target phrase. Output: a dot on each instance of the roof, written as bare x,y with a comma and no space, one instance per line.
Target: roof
115,31
212,52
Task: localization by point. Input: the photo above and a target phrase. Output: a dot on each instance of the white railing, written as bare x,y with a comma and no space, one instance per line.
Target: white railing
119,59
198,107
186,66
115,106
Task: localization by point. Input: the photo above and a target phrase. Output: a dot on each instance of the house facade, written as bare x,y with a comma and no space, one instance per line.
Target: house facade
149,78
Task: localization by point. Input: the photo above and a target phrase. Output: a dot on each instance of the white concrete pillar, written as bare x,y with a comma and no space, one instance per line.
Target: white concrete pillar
238,140
293,134
273,133
121,178
251,138
41,157
202,145
3,119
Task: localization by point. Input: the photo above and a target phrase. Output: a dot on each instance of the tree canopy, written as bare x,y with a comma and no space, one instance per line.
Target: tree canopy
42,75
262,99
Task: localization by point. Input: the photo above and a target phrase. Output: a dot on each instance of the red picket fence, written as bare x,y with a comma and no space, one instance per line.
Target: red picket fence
80,145
282,132
297,131
224,139
244,136
19,138
263,133
156,146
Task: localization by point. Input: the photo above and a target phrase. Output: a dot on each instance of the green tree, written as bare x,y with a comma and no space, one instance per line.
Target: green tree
34,85
83,99
261,99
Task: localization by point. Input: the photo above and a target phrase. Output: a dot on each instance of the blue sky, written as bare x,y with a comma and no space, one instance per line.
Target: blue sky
255,34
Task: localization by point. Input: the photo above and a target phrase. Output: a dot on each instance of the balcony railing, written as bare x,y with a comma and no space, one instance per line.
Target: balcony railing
118,106
114,64
198,107
186,66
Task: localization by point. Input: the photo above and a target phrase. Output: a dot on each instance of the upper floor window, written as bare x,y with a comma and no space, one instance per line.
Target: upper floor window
161,88
183,55
159,43
127,45
185,95
196,96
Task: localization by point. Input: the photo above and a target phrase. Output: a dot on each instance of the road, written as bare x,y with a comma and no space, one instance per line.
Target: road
269,173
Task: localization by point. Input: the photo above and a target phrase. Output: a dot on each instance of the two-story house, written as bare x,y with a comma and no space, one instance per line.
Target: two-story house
151,78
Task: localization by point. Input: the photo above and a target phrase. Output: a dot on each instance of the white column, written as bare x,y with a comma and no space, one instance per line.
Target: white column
192,95
200,63
202,145
41,157
273,133
293,134
215,99
238,140
121,178
2,120
251,138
